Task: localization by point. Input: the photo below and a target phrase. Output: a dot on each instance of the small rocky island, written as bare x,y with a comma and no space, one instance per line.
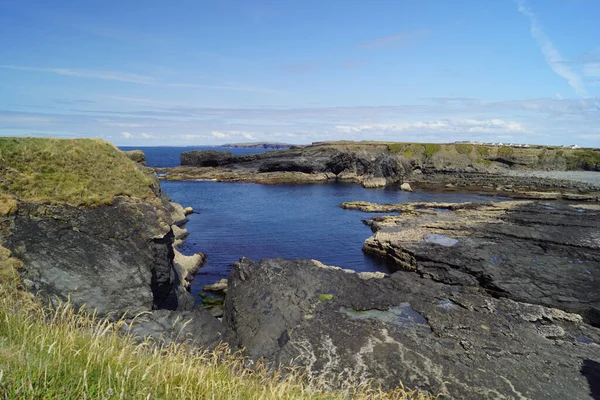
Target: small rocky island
491,300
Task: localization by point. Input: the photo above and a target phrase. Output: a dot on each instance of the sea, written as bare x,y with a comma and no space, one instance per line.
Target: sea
234,220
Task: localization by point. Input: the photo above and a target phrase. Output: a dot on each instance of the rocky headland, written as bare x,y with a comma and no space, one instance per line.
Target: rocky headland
491,300
92,227
428,166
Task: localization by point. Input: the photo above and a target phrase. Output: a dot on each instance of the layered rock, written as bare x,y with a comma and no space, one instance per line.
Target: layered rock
449,339
377,164
90,244
540,253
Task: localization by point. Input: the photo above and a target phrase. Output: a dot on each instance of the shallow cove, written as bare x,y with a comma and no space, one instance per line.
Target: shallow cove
289,221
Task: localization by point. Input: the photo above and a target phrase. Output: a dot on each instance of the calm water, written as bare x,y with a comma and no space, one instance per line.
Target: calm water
291,221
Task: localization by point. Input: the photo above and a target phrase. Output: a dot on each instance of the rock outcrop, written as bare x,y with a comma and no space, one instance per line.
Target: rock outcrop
535,252
377,164
449,339
108,247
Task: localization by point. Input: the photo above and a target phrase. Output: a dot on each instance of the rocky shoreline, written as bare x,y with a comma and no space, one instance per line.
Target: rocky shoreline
489,300
501,171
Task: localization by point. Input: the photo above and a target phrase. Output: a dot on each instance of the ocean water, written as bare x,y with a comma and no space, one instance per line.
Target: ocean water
235,220
167,157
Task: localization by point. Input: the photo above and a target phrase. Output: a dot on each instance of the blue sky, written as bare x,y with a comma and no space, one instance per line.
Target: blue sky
189,72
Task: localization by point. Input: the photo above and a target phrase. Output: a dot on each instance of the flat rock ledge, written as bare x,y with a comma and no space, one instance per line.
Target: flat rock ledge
454,340
536,252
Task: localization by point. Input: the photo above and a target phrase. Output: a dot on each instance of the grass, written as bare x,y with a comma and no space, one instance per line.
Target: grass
505,151
325,296
464,148
431,149
77,172
60,353
583,159
8,205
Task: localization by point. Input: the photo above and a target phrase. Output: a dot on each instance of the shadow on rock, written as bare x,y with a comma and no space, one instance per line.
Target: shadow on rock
591,370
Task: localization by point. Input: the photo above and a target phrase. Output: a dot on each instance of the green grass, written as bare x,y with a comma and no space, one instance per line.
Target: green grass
62,354
59,353
583,159
78,172
325,296
464,148
431,149
505,151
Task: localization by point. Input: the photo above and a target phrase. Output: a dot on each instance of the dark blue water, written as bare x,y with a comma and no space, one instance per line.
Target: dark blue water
291,221
166,157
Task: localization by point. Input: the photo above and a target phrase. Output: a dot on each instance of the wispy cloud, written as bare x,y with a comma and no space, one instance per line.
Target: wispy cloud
553,57
494,126
136,79
402,39
88,73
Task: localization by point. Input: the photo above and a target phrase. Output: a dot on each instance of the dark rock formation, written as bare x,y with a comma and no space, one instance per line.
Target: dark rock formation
113,258
205,158
448,339
137,155
539,253
376,164
196,327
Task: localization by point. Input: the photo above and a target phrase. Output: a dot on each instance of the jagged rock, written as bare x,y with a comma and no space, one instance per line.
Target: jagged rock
179,233
406,187
220,286
114,258
540,253
188,210
447,339
137,155
178,214
372,182
196,327
187,266
205,158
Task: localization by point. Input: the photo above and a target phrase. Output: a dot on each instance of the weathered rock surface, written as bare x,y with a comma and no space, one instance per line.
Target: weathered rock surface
137,155
377,164
449,339
370,168
196,327
113,258
535,252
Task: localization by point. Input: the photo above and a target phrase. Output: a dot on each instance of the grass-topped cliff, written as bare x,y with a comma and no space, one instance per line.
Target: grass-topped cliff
77,172
532,157
58,353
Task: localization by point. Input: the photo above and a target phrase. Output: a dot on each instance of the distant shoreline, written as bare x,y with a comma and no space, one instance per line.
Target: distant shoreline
260,145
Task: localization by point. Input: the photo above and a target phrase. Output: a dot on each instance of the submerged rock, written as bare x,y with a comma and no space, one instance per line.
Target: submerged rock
447,339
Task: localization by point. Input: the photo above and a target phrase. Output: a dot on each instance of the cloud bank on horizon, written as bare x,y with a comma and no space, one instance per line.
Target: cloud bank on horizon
191,73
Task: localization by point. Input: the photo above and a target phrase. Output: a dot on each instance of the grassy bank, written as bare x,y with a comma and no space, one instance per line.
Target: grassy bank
61,354
78,172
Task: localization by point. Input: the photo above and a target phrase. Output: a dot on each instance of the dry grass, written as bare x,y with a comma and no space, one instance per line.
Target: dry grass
77,172
8,205
62,354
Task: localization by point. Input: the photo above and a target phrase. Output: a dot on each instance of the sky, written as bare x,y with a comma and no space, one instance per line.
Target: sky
205,72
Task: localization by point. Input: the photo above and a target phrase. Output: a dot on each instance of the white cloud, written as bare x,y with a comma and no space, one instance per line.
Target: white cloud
145,135
553,57
220,135
124,125
494,126
126,135
138,79
248,136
